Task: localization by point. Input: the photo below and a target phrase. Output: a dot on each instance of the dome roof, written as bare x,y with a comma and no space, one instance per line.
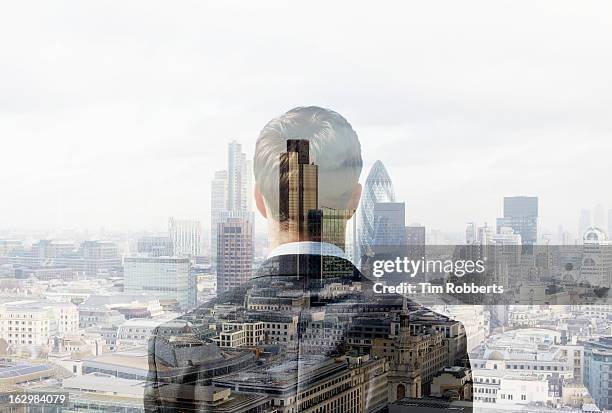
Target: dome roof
594,235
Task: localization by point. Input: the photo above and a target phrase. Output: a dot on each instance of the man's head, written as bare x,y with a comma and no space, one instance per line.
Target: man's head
334,147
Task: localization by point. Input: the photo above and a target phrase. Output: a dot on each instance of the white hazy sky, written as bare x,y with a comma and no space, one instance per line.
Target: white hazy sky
117,114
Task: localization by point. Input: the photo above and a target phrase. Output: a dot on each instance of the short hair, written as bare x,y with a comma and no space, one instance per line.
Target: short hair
334,147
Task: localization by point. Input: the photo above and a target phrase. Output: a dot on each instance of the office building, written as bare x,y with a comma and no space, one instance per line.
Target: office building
597,371
389,223
239,179
42,253
483,234
279,326
161,277
137,331
99,250
356,385
218,205
50,249
378,188
236,334
99,257
350,243
8,246
505,236
521,214
334,225
92,258
231,195
298,191
584,221
46,273
389,239
516,367
470,233
186,236
156,246
30,323
234,253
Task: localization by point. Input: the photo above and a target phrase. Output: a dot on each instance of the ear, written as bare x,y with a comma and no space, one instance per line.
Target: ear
260,203
353,202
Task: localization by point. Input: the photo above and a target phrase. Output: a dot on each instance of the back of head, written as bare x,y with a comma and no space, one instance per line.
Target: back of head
334,147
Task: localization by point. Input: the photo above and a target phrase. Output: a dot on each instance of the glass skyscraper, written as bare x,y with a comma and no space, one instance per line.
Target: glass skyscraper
378,189
521,214
298,191
598,371
161,277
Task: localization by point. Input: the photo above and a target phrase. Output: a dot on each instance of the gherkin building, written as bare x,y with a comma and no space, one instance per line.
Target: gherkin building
378,188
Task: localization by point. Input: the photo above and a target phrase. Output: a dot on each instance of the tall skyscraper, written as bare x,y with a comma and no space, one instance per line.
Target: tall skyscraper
239,179
584,222
248,185
231,210
218,206
298,190
161,277
483,234
378,188
234,253
521,214
470,233
609,223
218,191
186,236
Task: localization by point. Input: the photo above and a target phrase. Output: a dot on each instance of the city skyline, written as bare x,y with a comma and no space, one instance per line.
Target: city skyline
597,216
569,223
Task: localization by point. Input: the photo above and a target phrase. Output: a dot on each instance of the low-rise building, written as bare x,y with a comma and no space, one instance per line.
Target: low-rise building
453,383
29,323
235,334
351,385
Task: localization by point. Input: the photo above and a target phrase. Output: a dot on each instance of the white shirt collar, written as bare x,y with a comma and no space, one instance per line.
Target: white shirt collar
307,248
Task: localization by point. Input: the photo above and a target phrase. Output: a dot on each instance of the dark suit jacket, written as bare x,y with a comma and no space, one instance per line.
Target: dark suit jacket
182,359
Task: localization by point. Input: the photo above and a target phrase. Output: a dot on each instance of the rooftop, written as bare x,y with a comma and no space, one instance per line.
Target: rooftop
16,370
432,402
103,383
